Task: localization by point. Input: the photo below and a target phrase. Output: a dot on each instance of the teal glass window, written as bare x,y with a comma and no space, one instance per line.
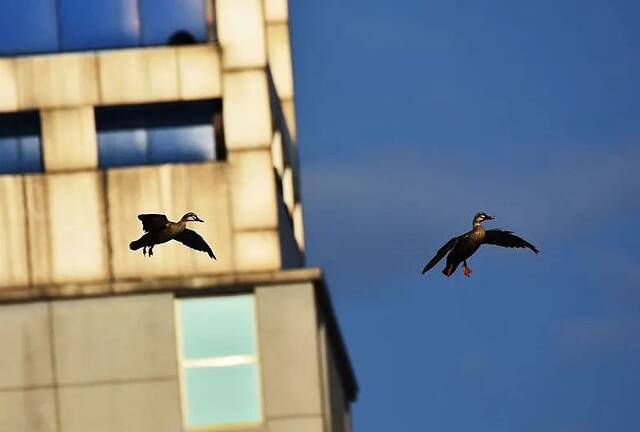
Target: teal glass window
220,379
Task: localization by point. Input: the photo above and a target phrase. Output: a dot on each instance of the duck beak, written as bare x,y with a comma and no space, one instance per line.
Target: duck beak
490,217
198,219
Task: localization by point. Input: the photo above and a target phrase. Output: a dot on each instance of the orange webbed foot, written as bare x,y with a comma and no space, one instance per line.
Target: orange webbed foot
467,271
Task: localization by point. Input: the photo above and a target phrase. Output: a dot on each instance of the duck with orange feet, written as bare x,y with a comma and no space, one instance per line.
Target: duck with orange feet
460,248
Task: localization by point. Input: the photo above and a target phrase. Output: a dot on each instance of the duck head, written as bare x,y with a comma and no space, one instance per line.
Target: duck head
191,217
481,217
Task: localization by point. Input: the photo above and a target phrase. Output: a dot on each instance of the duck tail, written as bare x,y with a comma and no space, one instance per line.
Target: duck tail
136,244
449,269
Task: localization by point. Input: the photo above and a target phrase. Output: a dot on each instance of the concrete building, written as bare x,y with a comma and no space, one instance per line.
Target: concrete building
113,108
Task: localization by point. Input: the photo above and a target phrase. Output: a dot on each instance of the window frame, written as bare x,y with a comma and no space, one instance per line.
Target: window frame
177,306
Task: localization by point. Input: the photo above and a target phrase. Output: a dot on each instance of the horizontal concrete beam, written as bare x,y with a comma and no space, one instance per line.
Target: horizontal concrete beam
231,282
136,75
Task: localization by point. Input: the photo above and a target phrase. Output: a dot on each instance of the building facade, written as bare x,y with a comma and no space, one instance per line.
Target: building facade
113,108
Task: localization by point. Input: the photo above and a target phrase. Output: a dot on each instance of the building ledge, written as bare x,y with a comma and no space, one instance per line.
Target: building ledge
217,284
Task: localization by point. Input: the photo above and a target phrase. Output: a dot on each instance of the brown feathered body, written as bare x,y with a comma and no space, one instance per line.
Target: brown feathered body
158,229
460,248
466,246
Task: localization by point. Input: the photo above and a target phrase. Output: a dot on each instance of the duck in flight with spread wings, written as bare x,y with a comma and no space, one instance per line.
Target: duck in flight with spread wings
462,247
158,229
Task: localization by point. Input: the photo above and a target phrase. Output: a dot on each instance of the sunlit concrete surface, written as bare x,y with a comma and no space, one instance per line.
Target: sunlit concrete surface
92,334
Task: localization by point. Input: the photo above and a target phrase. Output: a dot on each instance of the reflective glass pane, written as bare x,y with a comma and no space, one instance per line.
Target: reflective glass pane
28,26
122,147
217,326
181,144
9,155
222,395
30,154
162,19
90,24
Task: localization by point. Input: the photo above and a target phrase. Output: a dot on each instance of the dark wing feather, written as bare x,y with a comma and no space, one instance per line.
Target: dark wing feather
508,239
194,241
440,254
153,222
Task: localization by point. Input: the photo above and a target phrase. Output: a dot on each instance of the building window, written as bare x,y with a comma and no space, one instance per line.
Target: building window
41,26
157,133
94,24
219,373
161,19
20,150
28,26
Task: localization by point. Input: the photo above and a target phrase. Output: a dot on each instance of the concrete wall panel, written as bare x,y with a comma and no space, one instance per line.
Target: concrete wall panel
199,72
253,190
306,424
117,338
26,348
14,265
288,108
279,54
288,189
257,250
8,88
298,226
133,191
69,139
28,411
139,407
276,11
209,196
40,255
277,158
289,350
246,109
77,227
61,80
241,33
138,75
172,190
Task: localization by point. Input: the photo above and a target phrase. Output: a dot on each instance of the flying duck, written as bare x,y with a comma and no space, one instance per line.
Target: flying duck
158,229
462,247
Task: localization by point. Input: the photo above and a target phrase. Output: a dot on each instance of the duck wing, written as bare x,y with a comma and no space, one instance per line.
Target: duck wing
153,222
193,240
508,239
441,253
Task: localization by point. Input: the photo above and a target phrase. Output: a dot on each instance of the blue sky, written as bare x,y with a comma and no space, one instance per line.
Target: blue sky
414,115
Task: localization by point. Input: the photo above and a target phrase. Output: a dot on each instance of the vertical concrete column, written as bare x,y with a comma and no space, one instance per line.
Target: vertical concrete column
14,264
69,139
248,133
290,358
8,89
240,26
276,16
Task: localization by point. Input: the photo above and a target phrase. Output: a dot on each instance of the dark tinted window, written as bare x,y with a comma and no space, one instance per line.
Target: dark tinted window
93,24
20,150
28,26
156,133
162,19
41,26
